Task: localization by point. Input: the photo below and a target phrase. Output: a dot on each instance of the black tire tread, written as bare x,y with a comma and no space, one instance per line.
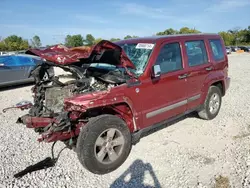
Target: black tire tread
93,127
204,113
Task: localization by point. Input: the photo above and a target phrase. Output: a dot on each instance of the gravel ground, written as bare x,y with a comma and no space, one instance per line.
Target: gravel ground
190,153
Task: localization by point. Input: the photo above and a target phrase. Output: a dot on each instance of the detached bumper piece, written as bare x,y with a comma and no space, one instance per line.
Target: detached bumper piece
34,122
51,129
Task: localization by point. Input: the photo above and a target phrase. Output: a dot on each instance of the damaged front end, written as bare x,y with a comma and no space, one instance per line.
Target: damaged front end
64,75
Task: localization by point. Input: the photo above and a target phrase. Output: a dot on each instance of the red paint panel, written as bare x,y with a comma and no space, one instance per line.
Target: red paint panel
36,122
62,55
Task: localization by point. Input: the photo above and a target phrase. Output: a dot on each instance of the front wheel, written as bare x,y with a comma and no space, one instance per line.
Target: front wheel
212,104
104,143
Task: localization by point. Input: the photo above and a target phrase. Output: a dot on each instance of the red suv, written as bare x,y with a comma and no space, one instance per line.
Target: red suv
100,101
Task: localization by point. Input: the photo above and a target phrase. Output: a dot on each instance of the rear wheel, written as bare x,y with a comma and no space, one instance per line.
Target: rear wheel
212,104
103,144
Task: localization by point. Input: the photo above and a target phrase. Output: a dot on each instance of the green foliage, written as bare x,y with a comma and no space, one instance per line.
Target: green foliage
3,47
36,42
235,36
114,39
183,30
130,37
227,37
186,30
13,43
90,40
97,40
74,40
24,45
169,31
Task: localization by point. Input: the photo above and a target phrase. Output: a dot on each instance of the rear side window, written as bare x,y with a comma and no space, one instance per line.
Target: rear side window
217,49
196,53
169,58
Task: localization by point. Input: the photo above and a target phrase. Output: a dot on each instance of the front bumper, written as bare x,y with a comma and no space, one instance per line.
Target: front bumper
34,122
49,128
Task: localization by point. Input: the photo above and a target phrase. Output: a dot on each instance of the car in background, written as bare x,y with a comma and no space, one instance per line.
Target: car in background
15,69
228,49
235,48
245,48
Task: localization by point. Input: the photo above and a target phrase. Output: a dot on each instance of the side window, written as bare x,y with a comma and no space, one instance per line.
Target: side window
217,49
196,53
169,58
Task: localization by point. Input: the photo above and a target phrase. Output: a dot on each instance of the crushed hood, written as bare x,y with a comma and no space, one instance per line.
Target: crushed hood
103,52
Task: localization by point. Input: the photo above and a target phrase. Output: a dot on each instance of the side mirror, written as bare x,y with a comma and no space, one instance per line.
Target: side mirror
156,71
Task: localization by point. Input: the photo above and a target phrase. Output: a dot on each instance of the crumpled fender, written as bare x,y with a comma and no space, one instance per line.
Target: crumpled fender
82,103
92,100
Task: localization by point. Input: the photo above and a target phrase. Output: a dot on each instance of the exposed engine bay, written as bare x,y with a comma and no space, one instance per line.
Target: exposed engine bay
54,83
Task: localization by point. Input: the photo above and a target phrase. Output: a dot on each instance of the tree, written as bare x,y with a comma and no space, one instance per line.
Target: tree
98,40
90,40
183,30
24,45
114,39
130,37
227,37
248,35
74,40
14,42
235,32
3,47
169,31
186,30
36,42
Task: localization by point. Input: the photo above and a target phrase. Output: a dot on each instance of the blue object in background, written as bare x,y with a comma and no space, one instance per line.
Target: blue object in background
15,69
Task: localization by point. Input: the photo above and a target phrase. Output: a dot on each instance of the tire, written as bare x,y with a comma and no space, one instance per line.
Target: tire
92,142
206,112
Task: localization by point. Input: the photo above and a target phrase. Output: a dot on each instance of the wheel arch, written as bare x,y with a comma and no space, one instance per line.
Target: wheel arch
122,108
216,79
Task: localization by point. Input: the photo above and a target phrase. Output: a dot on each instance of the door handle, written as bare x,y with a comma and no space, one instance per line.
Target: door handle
183,76
209,68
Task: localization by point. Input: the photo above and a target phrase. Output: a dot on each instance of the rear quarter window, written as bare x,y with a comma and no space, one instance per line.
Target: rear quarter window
217,49
196,52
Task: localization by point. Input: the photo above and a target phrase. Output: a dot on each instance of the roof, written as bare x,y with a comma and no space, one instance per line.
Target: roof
160,37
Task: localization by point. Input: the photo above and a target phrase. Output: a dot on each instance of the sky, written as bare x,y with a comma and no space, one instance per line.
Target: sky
52,20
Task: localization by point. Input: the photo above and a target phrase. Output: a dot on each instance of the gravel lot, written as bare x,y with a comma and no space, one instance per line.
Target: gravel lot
190,153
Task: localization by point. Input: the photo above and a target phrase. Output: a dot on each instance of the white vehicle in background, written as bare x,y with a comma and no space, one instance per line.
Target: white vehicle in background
228,49
3,53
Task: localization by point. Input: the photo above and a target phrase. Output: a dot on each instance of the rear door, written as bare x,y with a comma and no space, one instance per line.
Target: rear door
199,68
165,97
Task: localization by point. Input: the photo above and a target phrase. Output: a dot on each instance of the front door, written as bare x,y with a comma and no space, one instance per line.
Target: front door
166,96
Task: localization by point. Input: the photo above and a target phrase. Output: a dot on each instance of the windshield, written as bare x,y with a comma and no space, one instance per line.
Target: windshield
139,54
